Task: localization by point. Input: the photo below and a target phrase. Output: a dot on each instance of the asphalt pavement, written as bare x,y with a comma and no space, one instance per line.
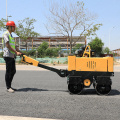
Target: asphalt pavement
43,94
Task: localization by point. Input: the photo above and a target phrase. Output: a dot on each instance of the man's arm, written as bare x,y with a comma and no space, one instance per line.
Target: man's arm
17,49
12,49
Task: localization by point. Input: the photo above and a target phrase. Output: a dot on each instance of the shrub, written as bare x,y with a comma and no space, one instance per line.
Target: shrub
1,54
31,52
42,49
52,52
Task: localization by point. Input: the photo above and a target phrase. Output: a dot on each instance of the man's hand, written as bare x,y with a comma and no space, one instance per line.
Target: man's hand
18,53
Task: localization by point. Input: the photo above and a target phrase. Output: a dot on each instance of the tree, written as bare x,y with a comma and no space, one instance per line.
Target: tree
25,29
96,44
2,24
77,46
52,52
69,19
106,50
42,49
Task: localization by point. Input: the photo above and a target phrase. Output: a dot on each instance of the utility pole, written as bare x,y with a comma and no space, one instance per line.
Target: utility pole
6,11
109,35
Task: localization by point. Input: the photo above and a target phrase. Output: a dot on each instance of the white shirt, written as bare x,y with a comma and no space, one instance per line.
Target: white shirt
6,51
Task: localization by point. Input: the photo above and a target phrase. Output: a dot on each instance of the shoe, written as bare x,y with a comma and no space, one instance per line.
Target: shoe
14,89
10,90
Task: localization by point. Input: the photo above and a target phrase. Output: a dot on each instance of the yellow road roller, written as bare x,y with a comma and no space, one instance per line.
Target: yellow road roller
83,70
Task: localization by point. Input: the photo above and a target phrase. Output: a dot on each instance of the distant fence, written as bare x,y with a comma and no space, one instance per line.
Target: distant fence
53,41
60,60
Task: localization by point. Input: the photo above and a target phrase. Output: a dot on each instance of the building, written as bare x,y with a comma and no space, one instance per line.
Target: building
54,41
116,52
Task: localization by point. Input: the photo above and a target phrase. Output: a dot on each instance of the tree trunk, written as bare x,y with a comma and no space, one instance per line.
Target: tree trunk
71,43
26,45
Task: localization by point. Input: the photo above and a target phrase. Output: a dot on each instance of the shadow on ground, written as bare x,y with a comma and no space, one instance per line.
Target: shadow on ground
84,92
93,92
114,92
36,89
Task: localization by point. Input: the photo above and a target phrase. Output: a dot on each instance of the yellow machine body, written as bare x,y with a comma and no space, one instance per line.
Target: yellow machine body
100,64
26,59
87,52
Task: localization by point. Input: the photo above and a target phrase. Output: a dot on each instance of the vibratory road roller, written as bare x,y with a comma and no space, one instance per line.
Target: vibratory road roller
83,70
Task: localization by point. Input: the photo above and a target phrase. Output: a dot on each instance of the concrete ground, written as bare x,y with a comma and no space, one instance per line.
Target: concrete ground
34,68
22,118
43,95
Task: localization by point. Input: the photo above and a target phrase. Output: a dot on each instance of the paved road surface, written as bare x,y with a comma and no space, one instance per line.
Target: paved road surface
34,68
43,94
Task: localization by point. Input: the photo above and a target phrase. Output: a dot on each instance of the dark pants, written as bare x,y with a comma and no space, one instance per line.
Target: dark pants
10,71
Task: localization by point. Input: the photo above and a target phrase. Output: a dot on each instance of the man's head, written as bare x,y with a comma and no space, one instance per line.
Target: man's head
10,25
86,55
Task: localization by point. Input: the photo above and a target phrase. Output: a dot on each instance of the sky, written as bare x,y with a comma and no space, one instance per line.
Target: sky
107,11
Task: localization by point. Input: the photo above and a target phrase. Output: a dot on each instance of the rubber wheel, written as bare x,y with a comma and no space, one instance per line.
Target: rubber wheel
103,89
75,89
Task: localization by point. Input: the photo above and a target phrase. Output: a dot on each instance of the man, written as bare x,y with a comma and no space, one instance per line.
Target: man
10,50
86,55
